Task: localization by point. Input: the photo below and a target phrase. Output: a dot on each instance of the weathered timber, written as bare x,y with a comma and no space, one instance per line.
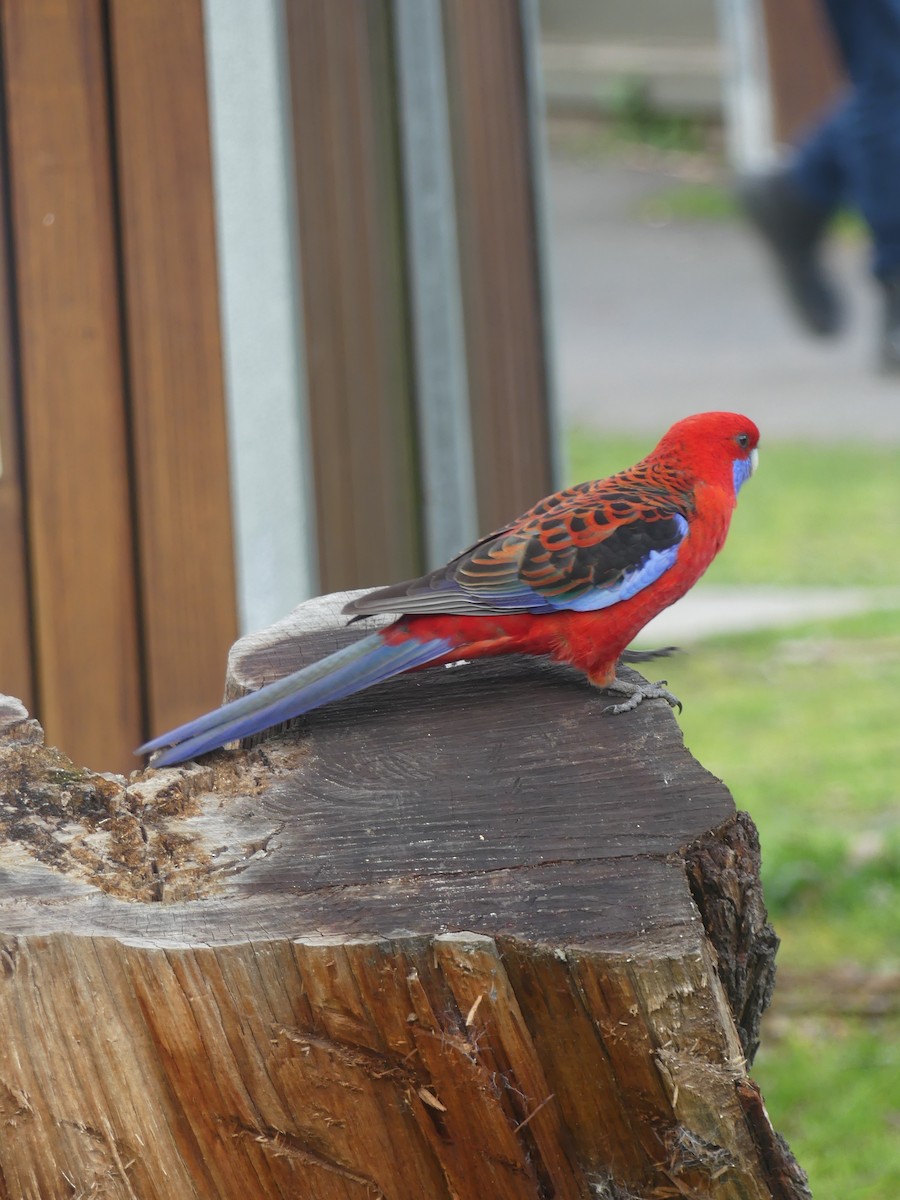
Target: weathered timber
456,938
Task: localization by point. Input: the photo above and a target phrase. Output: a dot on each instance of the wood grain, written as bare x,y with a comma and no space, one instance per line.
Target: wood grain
175,383
498,257
349,209
15,615
80,531
448,941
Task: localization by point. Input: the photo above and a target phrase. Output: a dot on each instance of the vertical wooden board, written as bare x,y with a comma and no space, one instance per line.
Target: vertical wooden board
354,297
79,522
499,257
174,354
15,619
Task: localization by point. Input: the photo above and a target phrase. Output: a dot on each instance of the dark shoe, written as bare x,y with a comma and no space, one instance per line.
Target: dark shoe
890,329
794,229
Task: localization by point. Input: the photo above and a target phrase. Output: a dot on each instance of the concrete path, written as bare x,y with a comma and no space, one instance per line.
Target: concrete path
657,321
711,610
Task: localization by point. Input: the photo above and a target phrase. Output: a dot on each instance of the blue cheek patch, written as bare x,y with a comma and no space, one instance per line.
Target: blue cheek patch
741,469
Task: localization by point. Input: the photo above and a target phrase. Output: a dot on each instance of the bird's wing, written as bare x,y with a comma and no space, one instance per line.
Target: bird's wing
584,549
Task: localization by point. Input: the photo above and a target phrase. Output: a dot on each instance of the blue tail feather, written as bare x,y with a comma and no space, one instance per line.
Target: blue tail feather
350,670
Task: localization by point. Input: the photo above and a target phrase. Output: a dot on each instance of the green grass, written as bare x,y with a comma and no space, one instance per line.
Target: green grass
635,119
689,202
630,123
833,1090
802,724
715,202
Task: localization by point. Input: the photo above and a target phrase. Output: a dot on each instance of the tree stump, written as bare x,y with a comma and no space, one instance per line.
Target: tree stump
456,938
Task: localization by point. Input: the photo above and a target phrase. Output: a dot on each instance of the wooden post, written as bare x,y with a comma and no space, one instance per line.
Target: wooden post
458,937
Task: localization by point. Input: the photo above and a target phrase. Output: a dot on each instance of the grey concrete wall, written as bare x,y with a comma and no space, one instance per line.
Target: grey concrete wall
630,20
589,47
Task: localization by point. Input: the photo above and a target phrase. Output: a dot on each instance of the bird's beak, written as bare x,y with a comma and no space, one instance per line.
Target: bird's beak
754,460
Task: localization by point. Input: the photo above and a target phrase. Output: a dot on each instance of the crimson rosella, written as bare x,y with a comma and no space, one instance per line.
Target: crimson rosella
574,578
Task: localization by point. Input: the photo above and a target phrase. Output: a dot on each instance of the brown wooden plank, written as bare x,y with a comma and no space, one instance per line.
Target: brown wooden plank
351,252
79,511
15,618
174,355
498,254
802,84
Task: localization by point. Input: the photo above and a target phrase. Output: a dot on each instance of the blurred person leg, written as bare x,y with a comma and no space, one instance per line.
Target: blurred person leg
791,207
852,157
868,32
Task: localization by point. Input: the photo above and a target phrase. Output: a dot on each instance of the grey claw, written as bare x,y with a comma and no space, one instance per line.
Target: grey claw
637,693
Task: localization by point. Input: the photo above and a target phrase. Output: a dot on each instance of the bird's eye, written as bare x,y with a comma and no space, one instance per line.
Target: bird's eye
743,440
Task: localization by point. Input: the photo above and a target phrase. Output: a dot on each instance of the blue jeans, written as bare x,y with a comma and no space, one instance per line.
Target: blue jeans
853,156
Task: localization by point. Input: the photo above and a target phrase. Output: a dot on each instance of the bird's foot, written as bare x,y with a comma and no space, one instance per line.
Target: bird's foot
637,693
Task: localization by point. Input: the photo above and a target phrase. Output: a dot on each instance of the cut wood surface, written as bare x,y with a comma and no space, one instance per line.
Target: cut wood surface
459,937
